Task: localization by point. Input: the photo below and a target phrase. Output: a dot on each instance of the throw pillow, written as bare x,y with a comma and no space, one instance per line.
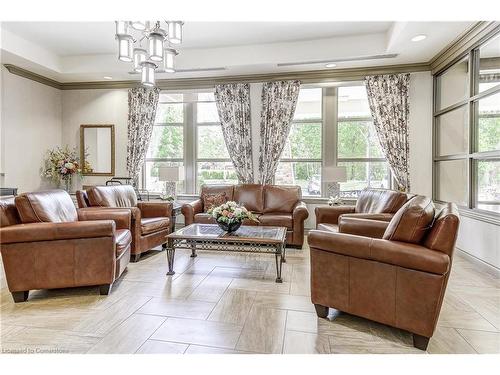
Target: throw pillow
213,200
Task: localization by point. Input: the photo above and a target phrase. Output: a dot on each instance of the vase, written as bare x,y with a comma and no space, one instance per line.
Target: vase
230,228
67,184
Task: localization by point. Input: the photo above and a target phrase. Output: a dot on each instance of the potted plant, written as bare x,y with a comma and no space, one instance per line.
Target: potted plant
60,165
230,215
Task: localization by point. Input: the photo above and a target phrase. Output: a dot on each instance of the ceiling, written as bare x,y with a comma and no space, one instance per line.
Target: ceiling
86,51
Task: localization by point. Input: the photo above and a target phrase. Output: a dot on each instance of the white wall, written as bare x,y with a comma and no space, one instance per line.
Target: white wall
31,124
96,107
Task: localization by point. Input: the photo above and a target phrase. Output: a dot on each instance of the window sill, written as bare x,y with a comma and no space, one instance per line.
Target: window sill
484,216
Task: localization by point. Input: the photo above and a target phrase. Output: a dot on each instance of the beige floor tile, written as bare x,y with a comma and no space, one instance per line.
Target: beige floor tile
301,283
447,341
211,289
263,331
129,335
41,340
305,343
161,347
201,332
261,286
483,342
177,308
464,319
233,307
284,301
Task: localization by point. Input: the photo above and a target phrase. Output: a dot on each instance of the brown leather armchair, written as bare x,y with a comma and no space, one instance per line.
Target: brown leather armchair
398,280
151,221
374,204
272,204
47,243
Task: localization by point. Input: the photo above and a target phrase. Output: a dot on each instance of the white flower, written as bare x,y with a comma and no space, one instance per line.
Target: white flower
238,211
69,165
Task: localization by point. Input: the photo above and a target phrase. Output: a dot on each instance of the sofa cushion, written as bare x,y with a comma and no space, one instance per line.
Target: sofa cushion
380,201
411,222
123,238
154,224
443,235
281,198
218,189
112,196
8,212
53,206
276,219
213,200
251,196
328,227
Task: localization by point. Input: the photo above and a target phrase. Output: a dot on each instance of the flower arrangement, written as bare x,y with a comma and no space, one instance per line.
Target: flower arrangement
61,164
230,215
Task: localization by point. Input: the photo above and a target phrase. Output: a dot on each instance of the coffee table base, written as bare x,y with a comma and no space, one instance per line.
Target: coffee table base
277,249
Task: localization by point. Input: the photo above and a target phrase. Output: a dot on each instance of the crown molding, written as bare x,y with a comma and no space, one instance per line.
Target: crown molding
471,38
311,76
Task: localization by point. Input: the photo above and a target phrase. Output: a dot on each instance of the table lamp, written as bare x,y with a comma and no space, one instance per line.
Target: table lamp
334,175
170,175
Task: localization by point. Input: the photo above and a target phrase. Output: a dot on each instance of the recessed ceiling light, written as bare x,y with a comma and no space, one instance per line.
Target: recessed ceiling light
330,65
107,77
418,38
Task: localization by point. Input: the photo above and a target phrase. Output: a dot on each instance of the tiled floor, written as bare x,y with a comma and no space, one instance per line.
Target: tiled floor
229,303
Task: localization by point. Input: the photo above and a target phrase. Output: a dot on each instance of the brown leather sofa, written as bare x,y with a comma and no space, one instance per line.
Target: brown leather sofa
398,280
273,205
372,204
151,221
47,243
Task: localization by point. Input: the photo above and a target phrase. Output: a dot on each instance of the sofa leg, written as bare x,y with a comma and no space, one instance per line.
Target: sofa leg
163,246
420,342
321,311
105,289
134,257
20,296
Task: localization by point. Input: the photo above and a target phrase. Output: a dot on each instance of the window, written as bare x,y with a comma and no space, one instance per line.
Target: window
213,165
300,162
358,148
166,147
467,129
187,133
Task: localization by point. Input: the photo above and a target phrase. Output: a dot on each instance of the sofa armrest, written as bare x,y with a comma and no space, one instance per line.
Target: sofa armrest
56,231
401,254
190,209
300,212
381,217
330,214
155,209
362,227
121,216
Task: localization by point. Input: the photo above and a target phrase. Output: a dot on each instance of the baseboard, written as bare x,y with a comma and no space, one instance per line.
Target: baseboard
481,264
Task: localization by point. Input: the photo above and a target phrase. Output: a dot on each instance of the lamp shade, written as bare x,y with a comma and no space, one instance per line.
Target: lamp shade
170,173
334,174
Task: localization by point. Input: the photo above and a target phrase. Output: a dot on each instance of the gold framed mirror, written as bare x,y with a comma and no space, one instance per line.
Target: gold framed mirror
97,150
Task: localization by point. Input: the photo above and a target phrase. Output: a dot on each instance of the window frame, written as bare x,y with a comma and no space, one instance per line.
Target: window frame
472,156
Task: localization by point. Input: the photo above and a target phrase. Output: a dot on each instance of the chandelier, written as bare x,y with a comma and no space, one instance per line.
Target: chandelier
148,46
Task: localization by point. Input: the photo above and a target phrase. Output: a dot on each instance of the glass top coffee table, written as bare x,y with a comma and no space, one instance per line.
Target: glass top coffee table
249,239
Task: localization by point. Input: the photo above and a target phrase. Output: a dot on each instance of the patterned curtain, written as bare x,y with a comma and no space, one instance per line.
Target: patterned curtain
142,104
233,105
389,105
279,100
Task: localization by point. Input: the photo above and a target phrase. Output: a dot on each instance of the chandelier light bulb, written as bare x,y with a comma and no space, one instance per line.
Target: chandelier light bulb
168,60
140,55
138,25
175,31
148,73
125,43
156,45
121,27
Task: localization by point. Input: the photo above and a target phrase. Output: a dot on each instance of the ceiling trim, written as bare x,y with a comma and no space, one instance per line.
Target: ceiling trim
312,76
471,38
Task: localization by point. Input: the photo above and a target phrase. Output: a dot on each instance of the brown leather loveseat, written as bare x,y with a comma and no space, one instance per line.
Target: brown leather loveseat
151,221
273,205
46,243
372,204
398,280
